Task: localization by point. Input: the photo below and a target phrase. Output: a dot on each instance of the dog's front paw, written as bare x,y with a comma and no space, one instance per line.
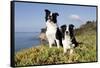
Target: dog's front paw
58,47
71,51
50,46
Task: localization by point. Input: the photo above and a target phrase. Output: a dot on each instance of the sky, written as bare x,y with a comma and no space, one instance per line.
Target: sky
30,17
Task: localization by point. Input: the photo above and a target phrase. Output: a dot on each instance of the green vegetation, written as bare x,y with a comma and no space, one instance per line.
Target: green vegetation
85,52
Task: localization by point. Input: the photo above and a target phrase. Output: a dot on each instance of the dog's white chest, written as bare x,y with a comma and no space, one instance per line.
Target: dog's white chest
67,42
51,32
51,27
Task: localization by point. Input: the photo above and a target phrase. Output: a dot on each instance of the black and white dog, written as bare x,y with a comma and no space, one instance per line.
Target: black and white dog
53,32
63,36
68,38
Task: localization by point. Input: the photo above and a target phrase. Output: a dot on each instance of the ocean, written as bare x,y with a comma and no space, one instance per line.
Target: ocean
25,40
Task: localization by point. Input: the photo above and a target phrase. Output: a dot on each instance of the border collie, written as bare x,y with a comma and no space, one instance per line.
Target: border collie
53,33
68,38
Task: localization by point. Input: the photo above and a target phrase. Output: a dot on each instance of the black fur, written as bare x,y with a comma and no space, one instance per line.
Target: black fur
47,12
74,41
72,36
52,17
59,36
71,30
63,29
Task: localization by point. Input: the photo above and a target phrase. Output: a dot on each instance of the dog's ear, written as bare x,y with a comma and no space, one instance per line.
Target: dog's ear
63,26
71,25
47,11
56,14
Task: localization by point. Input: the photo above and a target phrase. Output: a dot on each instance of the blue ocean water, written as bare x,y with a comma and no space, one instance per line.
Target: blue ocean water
26,40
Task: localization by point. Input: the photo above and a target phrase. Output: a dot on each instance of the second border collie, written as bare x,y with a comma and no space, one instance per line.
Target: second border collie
68,38
53,32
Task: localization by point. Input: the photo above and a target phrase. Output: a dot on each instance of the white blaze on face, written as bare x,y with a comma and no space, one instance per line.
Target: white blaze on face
67,37
50,17
50,14
67,28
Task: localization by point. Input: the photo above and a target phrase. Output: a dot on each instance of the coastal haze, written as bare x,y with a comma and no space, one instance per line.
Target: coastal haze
26,40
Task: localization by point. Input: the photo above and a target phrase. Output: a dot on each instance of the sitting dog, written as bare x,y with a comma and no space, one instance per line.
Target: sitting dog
68,38
53,32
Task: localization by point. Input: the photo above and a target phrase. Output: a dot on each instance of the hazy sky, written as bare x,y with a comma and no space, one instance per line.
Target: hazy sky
30,17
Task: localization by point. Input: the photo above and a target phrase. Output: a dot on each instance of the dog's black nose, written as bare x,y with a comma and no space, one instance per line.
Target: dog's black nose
66,32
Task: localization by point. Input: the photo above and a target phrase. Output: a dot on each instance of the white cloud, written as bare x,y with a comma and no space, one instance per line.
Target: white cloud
74,17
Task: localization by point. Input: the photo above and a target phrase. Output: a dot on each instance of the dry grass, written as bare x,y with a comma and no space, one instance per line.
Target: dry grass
85,52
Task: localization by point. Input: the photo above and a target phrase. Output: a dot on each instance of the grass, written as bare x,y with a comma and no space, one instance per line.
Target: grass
85,52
